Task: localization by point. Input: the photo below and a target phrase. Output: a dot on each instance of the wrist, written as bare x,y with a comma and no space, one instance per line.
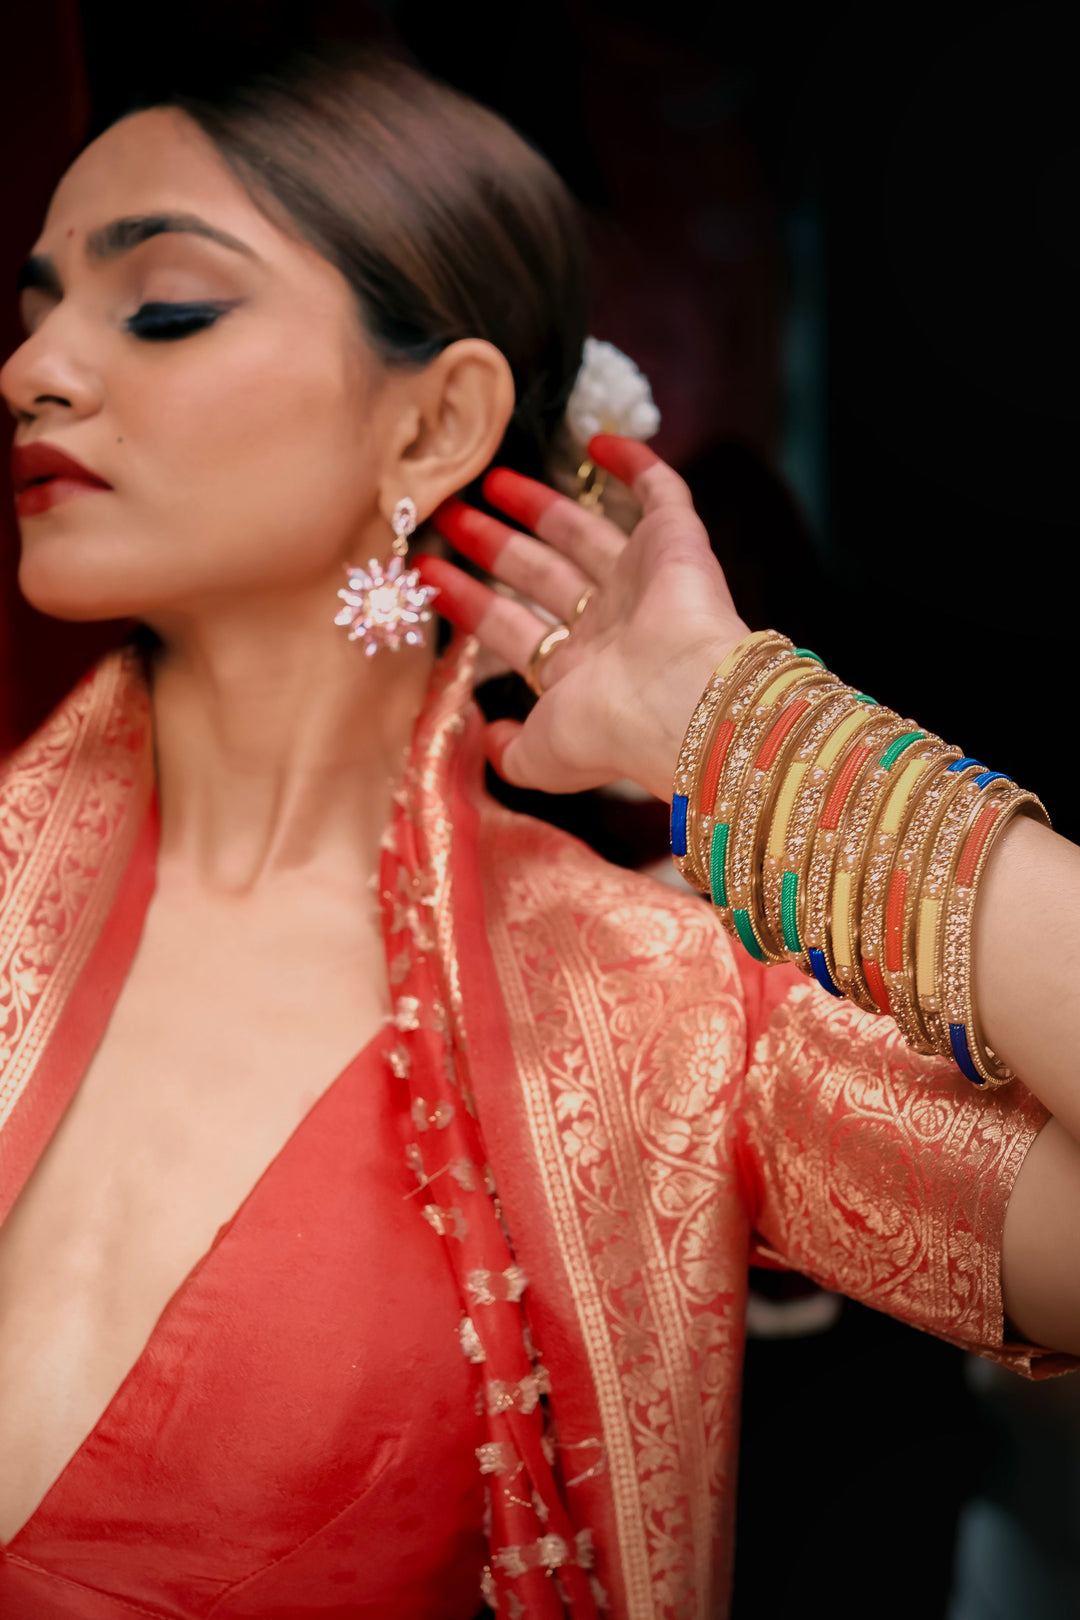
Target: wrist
671,701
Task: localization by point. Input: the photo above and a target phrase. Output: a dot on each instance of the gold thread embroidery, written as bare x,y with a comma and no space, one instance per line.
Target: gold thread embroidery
447,1222
72,801
631,1059
407,1015
524,1395
470,1340
486,1287
498,1457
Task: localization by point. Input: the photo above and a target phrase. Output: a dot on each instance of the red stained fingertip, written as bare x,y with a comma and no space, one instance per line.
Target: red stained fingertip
497,739
626,458
475,534
522,497
462,599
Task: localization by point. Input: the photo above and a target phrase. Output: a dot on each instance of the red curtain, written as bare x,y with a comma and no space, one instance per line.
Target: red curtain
43,117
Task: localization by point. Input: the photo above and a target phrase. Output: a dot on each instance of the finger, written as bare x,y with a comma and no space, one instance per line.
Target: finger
528,566
523,756
497,739
480,538
626,458
506,628
653,482
590,541
461,599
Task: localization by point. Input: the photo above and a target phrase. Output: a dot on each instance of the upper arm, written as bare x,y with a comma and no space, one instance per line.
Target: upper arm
1040,1256
885,1175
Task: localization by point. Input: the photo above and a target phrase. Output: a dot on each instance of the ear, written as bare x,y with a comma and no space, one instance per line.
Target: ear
454,414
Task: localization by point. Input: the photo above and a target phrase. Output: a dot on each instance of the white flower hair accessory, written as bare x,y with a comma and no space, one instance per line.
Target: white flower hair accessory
611,395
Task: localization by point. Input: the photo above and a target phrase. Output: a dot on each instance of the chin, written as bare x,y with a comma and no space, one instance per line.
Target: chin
78,579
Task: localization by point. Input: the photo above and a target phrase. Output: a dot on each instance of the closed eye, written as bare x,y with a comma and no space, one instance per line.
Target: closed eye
164,323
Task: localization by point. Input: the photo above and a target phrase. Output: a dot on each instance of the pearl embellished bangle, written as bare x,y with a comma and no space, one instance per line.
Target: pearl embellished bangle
832,832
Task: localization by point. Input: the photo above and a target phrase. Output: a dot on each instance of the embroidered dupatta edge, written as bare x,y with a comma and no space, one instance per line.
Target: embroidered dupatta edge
77,839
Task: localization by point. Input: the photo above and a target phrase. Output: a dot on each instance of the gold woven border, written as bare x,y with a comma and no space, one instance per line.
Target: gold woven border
72,801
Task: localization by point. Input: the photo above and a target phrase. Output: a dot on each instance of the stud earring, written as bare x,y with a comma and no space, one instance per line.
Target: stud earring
388,609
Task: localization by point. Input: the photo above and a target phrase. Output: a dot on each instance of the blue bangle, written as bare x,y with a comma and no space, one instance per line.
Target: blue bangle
961,1051
962,764
679,806
820,969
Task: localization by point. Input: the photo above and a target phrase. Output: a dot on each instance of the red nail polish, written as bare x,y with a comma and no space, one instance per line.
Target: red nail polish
462,600
626,458
522,497
475,534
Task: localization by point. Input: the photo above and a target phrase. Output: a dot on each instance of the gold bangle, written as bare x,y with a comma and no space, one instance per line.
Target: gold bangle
944,838
712,710
798,707
752,714
789,817
861,745
844,948
841,835
985,827
913,845
869,872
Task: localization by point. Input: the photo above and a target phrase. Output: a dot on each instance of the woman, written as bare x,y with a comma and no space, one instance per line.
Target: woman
467,1318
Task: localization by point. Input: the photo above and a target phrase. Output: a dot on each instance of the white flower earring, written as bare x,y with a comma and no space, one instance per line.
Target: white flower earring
388,609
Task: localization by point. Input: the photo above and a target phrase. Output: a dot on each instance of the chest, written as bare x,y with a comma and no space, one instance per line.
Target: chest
233,1021
299,1433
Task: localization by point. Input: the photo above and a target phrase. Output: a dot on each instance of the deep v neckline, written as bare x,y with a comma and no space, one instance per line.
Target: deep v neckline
131,1379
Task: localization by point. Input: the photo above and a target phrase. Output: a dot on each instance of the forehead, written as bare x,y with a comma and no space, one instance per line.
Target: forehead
153,162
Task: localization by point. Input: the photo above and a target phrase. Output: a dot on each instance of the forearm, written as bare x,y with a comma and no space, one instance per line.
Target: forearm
1025,972
1026,963
617,694
1025,954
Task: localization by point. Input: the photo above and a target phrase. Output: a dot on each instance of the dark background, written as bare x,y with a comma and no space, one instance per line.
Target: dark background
842,242
841,237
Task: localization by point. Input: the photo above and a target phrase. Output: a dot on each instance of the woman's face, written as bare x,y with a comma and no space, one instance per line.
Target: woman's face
210,369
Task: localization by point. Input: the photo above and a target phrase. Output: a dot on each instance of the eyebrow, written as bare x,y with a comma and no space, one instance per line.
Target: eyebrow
120,236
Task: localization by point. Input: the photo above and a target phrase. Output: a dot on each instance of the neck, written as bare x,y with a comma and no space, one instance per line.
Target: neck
279,746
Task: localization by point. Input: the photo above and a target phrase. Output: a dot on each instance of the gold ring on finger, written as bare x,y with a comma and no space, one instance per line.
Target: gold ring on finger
581,604
544,648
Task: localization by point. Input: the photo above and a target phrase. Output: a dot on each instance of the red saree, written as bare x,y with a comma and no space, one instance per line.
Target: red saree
301,1385
651,1112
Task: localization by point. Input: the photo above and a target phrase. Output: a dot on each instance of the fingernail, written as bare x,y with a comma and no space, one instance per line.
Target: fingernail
476,535
462,600
522,497
626,458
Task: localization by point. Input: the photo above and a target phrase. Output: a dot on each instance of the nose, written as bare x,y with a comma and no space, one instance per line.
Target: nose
45,377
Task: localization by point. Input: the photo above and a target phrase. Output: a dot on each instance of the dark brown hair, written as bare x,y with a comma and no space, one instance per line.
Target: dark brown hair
445,223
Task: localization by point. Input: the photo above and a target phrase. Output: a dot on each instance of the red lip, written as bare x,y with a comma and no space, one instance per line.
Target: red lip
44,476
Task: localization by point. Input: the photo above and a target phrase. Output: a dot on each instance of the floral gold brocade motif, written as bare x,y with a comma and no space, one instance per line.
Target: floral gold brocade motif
530,1532
661,1109
881,1176
72,800
630,1040
662,1143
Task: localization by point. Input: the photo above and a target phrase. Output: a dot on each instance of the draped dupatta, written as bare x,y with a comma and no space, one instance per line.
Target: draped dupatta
77,843
573,1042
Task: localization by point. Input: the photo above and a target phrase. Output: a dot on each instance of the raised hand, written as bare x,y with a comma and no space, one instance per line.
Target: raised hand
618,692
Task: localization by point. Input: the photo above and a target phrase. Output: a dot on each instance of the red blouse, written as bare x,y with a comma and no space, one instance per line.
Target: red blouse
296,1438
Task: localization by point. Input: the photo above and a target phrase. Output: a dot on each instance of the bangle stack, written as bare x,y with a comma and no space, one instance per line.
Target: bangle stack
829,831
